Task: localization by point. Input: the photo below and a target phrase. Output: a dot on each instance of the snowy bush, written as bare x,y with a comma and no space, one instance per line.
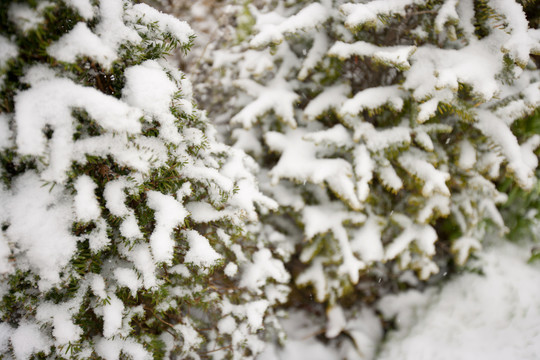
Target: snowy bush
521,210
389,125
128,230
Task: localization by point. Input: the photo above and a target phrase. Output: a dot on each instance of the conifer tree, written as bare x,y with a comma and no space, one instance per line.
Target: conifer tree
388,124
128,230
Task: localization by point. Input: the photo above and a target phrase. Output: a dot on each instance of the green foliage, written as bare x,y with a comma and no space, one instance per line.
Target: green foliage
162,255
387,145
521,211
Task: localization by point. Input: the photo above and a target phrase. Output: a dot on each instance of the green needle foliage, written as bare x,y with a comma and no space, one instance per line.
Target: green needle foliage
383,129
128,230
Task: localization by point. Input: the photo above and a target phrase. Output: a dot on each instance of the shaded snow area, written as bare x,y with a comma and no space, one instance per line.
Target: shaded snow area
494,316
489,314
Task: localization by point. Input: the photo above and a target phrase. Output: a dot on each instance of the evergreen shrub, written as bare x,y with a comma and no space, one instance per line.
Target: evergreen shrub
383,129
128,230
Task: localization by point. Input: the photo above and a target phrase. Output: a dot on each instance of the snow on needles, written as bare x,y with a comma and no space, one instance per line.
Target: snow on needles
81,41
116,184
200,251
40,224
169,214
8,50
62,95
86,204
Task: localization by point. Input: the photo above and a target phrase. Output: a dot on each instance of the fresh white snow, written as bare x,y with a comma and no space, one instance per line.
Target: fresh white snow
491,316
475,316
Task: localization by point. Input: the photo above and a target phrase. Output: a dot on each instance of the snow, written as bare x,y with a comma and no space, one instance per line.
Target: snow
165,22
466,12
275,96
8,50
362,328
142,259
200,252
520,44
389,178
299,162
130,228
83,7
467,155
373,98
242,168
337,135
115,197
392,55
428,108
111,27
62,95
307,18
202,212
169,213
149,88
314,55
202,173
86,205
363,168
5,252
473,316
227,325
5,334
262,268
315,276
180,269
110,349
367,241
112,316
447,14
433,178
80,42
38,73
185,190
6,140
490,316
359,14
336,321
231,269
518,108
433,69
25,17
332,97
191,338
300,350
254,312
377,140
436,204
97,284
521,161
64,330
40,224
467,313
423,140
463,246
318,220
98,238
111,31
27,339
424,237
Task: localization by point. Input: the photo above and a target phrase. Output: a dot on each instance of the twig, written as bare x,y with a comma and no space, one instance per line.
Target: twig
218,349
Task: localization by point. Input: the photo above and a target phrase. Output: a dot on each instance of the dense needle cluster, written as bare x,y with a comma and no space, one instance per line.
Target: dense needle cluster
127,228
383,137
